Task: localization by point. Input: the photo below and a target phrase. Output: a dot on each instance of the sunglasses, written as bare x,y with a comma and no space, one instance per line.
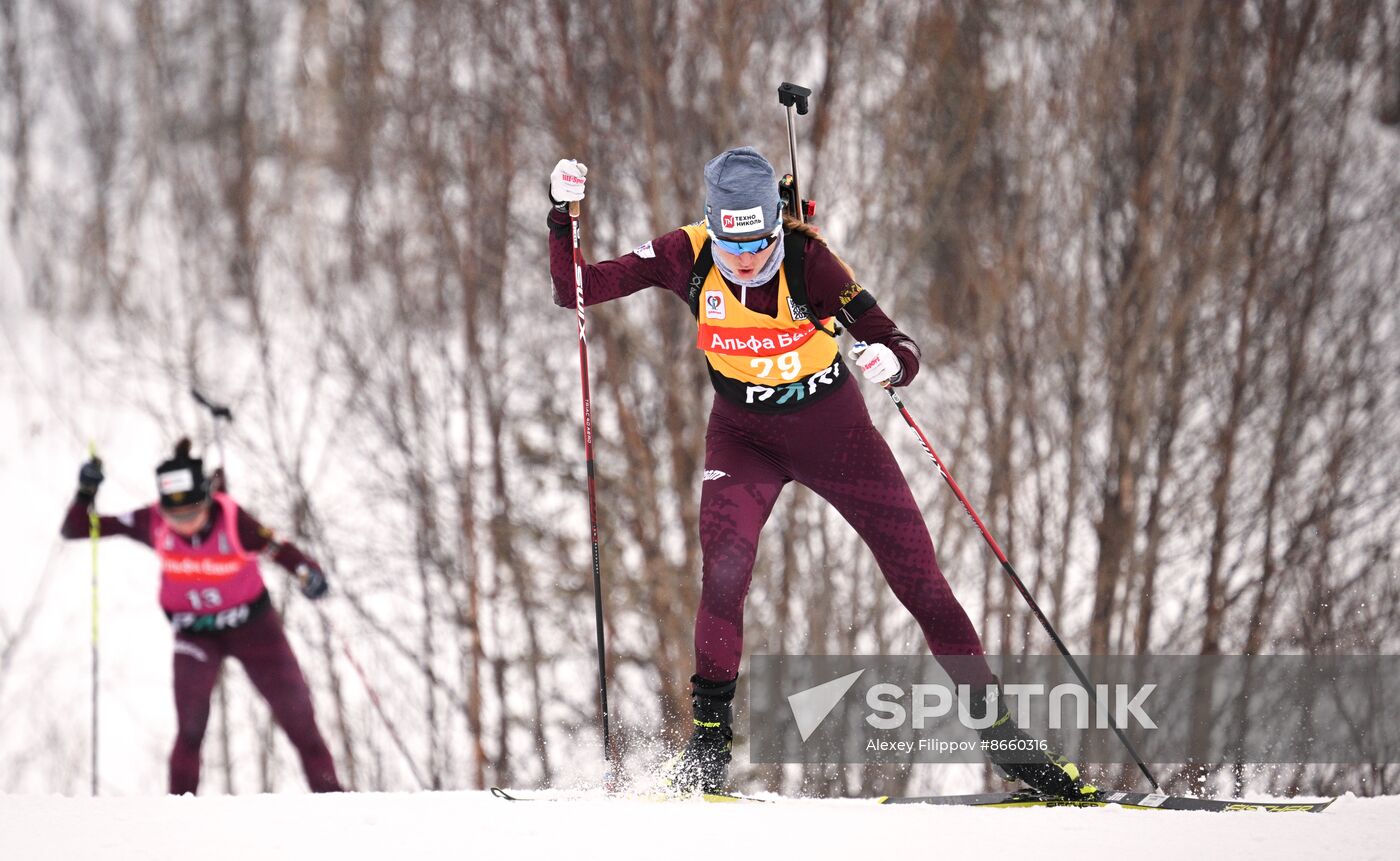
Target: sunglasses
183,514
752,246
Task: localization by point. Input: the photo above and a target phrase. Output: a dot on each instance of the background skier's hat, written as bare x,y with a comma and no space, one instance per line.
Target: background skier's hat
181,479
741,194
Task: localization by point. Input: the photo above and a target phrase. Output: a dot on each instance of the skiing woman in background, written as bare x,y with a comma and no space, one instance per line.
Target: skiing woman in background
784,412
212,591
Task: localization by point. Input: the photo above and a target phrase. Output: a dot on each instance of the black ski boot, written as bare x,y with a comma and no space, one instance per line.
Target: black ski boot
703,766
1017,756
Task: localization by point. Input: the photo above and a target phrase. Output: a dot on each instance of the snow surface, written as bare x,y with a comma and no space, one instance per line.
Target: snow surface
476,825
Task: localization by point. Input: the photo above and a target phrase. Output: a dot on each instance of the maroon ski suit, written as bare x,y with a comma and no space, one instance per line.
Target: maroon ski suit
251,632
827,444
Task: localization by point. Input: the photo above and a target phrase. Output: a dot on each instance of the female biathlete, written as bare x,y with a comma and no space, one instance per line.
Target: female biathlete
785,411
211,589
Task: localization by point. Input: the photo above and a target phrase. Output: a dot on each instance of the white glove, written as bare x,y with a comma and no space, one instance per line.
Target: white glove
566,181
876,361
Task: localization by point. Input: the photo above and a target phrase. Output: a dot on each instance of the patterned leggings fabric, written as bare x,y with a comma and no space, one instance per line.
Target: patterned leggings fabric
832,448
262,648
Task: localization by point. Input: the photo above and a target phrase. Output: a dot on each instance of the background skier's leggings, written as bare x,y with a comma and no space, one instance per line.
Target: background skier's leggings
262,648
832,448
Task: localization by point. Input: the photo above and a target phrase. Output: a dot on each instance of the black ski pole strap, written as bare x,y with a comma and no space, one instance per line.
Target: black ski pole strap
557,227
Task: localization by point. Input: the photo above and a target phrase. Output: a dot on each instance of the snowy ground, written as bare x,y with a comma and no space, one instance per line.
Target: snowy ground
475,825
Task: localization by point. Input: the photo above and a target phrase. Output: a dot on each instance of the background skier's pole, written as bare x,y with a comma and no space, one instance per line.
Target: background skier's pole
94,533
332,632
609,770
1015,578
376,702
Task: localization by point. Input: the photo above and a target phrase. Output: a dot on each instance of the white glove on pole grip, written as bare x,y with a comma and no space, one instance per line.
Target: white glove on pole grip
567,180
877,362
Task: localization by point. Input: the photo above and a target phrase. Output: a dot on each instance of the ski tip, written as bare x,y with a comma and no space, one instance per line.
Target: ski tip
716,797
1129,800
721,798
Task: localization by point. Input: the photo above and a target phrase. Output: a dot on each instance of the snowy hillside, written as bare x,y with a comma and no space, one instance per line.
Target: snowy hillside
475,825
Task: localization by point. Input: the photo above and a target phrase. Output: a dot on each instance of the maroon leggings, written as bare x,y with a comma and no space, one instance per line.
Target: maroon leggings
832,448
262,648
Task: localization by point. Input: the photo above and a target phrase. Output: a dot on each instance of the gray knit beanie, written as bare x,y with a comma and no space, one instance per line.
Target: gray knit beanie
741,194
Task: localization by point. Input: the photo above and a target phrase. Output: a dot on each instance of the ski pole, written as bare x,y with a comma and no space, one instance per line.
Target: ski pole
609,771
375,701
1015,578
94,533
